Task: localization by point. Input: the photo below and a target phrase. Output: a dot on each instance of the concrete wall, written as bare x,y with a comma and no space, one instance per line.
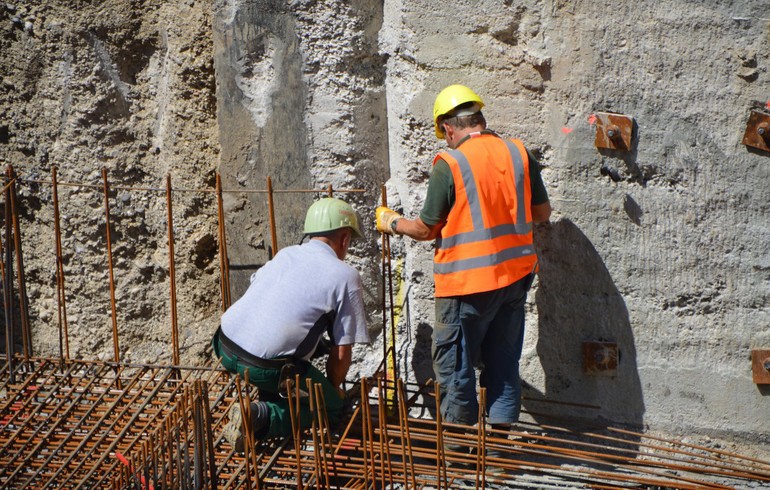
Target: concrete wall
662,250
301,99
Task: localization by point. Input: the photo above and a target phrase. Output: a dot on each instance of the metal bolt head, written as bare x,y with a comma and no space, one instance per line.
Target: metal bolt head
763,130
766,364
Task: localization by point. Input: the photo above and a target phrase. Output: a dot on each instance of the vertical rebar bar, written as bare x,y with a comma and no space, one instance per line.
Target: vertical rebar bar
367,433
20,276
441,456
318,470
248,442
7,287
388,341
198,442
481,443
208,422
406,436
172,274
394,371
115,343
383,406
64,351
253,454
271,211
323,433
224,266
292,398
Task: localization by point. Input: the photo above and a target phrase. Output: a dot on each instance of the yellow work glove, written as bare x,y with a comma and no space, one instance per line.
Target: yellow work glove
386,219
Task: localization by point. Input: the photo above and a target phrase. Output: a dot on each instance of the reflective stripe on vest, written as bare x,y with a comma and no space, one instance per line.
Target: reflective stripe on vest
514,256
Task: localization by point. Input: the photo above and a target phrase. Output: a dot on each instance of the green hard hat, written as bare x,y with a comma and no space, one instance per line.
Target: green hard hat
329,214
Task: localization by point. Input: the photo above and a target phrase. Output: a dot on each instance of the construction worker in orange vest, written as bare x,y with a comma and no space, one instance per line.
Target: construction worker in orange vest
484,194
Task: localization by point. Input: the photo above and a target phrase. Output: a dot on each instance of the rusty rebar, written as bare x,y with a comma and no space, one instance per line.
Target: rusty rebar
292,400
113,307
7,285
271,216
61,299
224,264
61,416
83,420
20,275
481,445
247,433
87,479
206,190
172,274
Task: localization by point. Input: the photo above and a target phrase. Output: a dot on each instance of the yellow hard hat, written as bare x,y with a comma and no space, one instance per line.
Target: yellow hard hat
448,99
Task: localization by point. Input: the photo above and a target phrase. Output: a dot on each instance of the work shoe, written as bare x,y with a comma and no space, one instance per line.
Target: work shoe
462,457
495,458
260,421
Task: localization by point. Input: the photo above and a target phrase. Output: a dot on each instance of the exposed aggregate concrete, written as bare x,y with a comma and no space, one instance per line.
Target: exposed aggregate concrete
664,250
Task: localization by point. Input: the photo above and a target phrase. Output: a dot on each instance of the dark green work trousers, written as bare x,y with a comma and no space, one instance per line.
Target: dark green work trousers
267,381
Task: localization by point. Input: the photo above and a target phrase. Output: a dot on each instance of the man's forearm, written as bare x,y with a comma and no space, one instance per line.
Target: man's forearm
338,363
416,229
541,213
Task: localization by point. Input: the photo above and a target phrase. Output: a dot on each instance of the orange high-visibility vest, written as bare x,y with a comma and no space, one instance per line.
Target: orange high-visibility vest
486,243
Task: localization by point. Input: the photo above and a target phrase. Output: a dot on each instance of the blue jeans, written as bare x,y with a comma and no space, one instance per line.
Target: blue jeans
486,331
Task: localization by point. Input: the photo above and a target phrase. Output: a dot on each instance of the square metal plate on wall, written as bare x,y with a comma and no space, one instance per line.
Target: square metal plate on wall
757,134
760,361
600,358
613,131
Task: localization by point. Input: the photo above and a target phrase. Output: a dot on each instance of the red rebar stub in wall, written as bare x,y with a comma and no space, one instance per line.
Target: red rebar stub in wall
600,358
760,366
757,133
613,131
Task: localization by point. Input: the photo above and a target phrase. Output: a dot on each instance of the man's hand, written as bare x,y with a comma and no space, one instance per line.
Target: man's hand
385,219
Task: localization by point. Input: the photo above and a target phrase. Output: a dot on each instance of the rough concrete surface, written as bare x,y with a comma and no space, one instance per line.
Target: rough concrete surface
663,249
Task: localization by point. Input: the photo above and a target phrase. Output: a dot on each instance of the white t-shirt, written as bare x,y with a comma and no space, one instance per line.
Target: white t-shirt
287,297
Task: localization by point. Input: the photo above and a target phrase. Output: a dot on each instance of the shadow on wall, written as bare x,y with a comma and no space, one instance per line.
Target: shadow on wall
422,366
577,301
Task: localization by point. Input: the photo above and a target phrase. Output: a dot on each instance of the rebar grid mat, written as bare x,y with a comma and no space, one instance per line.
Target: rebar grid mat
88,424
68,425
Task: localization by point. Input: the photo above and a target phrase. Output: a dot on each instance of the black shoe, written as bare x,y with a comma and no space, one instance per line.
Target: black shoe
260,419
460,456
495,458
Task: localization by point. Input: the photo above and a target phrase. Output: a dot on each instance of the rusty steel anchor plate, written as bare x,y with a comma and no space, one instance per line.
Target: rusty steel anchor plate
757,133
760,361
600,358
613,131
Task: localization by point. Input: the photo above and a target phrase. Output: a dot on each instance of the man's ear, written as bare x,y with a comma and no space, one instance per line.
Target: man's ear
347,238
449,130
